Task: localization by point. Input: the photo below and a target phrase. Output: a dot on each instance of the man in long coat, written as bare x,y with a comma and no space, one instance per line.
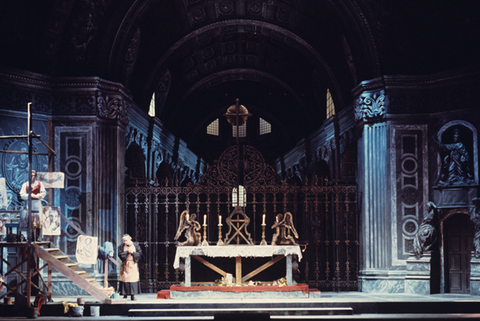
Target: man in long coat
130,253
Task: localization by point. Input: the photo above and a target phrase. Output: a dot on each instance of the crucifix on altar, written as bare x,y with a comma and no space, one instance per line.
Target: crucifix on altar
238,221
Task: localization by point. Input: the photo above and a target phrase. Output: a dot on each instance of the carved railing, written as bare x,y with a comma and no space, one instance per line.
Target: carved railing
324,216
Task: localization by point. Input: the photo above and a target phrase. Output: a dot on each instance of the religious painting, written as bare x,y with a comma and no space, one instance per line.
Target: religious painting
87,249
15,166
52,179
3,193
51,220
4,219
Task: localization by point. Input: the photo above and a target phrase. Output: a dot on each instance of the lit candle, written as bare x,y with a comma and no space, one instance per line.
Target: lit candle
205,219
263,219
219,220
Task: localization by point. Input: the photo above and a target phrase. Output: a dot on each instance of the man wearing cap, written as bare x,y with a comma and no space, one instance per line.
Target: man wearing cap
130,253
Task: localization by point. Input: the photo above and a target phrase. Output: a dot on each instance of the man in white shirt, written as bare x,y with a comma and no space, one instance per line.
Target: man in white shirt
38,193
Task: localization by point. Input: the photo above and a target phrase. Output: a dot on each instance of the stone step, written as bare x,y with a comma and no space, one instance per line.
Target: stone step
240,311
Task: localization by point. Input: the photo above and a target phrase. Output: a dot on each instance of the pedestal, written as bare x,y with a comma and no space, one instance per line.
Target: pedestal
474,275
417,280
455,196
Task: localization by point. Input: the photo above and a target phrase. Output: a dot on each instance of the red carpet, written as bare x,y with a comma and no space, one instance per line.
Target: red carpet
238,289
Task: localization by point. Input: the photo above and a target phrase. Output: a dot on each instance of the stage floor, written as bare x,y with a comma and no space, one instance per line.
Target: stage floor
364,306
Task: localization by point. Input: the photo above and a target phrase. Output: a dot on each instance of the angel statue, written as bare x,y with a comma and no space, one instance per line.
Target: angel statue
283,226
191,228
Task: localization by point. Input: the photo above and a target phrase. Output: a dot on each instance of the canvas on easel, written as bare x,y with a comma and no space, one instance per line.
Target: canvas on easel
51,220
87,249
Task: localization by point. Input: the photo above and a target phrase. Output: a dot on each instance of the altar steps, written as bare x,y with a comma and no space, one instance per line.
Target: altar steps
242,313
349,306
309,309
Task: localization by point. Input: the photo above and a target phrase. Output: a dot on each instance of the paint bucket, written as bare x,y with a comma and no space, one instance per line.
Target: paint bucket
95,311
77,311
32,312
115,295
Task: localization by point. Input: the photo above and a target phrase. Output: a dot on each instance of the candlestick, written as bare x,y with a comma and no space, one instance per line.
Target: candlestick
263,242
220,242
204,242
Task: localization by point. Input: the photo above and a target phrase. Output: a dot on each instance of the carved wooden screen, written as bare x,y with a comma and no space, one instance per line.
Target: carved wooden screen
324,216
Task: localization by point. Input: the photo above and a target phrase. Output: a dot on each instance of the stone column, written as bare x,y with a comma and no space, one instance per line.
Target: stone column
109,174
373,160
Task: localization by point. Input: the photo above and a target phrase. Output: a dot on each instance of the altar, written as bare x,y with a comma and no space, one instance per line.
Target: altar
238,252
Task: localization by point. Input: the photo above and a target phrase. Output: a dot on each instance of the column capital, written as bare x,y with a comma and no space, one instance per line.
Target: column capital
370,106
112,107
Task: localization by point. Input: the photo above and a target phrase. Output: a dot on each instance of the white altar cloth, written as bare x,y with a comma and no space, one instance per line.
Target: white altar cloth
236,250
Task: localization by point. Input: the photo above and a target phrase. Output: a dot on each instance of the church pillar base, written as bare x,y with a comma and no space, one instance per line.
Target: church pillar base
417,280
376,281
474,275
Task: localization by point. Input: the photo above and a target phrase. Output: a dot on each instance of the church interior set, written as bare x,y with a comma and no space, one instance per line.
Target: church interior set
226,135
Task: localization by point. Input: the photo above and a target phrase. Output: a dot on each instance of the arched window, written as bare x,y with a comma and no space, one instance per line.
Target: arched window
330,105
151,109
212,128
242,130
264,127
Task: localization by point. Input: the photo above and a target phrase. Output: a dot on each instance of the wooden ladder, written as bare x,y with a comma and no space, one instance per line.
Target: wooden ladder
59,261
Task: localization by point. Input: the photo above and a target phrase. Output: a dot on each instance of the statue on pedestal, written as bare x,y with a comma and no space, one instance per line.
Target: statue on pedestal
456,162
475,217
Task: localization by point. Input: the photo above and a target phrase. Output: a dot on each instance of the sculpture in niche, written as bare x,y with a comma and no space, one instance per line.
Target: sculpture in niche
320,172
131,55
165,172
191,227
135,163
284,225
85,30
427,233
475,217
455,162
292,176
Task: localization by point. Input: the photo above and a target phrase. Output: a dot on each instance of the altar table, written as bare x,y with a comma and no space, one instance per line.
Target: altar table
237,252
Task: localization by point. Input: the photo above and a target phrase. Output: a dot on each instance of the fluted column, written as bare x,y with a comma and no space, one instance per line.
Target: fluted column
109,175
373,181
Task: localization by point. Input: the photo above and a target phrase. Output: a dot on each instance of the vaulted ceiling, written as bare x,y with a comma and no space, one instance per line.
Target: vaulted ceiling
277,57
